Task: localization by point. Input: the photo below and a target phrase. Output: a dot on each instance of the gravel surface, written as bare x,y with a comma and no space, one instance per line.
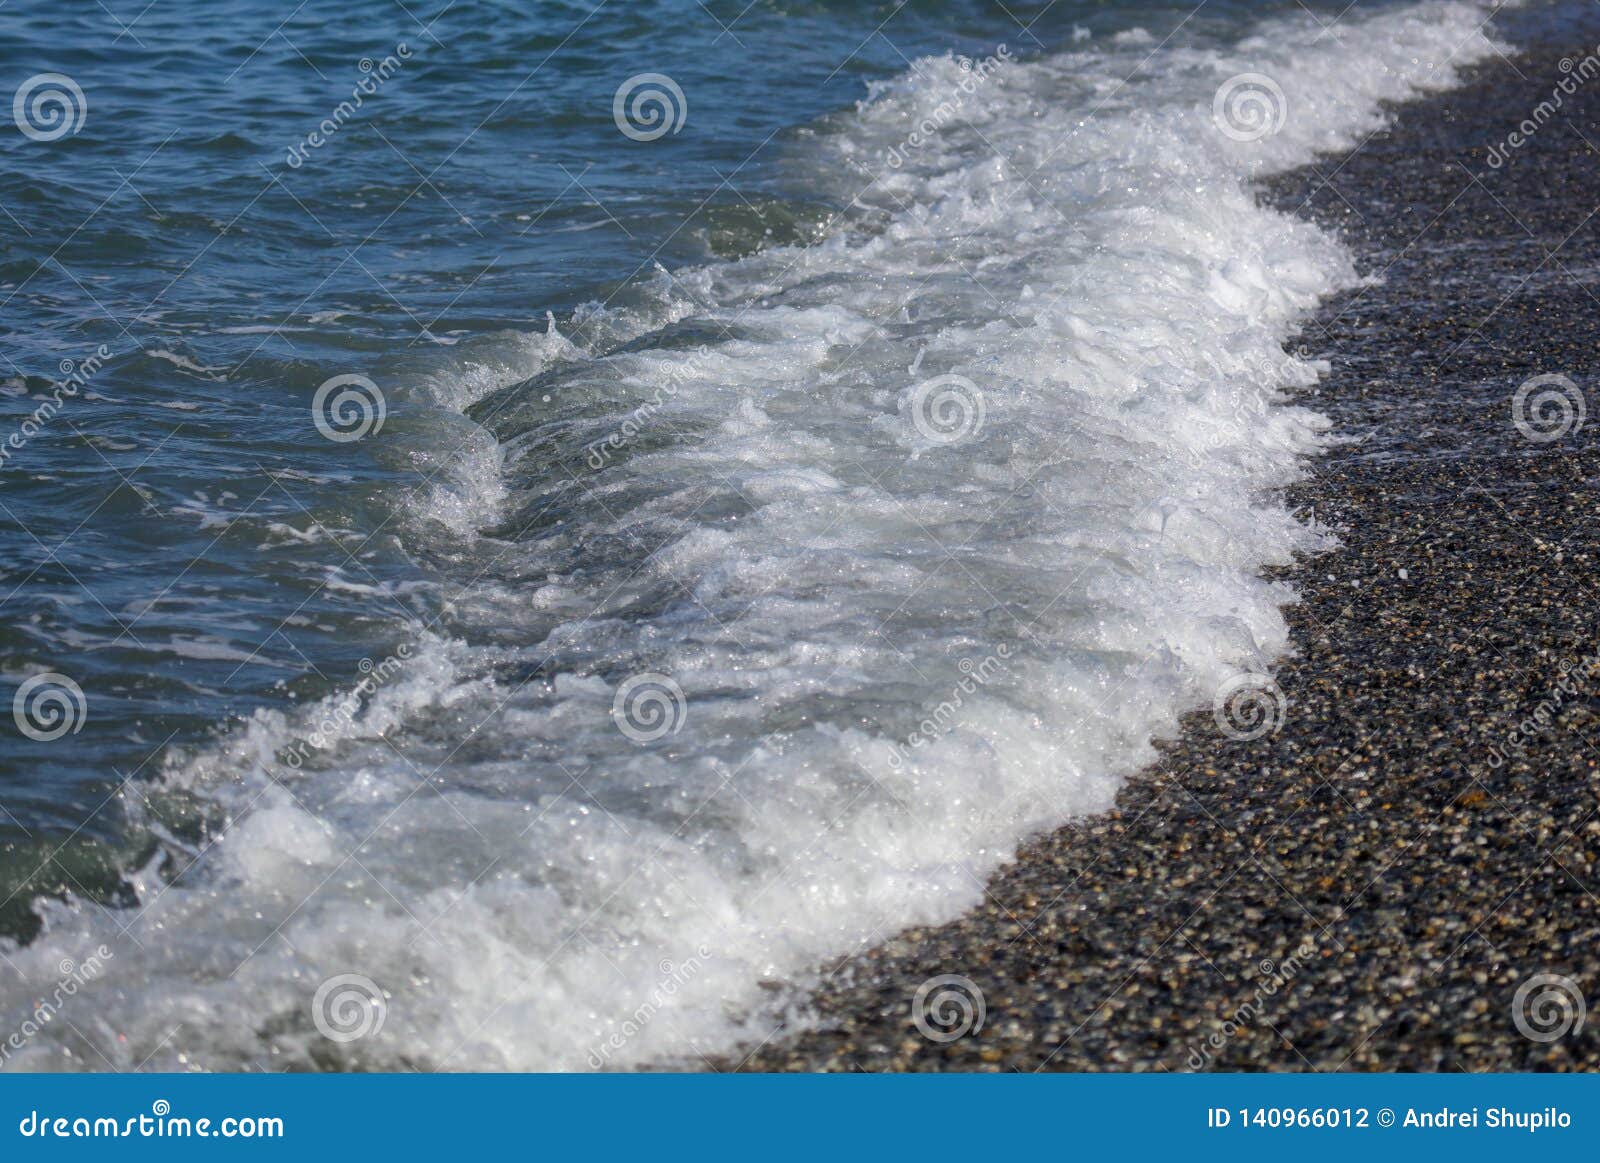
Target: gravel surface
1368,886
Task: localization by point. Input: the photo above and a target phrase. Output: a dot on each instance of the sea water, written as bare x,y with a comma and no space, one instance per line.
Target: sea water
541,557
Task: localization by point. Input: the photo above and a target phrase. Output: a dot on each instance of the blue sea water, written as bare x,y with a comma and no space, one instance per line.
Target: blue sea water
420,397
171,536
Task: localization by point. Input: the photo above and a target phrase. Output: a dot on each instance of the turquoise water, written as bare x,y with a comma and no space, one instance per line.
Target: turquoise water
395,401
180,539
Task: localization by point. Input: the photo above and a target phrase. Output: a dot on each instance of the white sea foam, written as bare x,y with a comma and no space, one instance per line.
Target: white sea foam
884,655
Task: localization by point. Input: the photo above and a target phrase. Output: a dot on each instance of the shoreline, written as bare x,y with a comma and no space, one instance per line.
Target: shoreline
1390,878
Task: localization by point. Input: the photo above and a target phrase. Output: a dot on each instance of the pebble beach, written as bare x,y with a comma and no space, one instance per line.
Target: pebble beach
1394,872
